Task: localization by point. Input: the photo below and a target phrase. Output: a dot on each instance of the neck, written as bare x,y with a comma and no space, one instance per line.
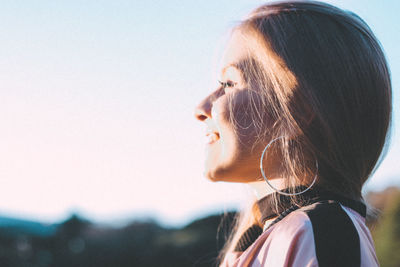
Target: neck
262,189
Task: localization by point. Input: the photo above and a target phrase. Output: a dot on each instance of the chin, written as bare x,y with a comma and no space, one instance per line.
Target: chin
227,175
238,167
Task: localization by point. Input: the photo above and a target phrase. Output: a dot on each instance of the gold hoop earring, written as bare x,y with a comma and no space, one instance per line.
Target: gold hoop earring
270,185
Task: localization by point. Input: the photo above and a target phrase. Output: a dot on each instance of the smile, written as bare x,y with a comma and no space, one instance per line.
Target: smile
212,137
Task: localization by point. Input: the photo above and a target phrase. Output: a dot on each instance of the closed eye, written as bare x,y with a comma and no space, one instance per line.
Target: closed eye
227,84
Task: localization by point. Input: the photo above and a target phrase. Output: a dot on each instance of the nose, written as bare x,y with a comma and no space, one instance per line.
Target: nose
203,110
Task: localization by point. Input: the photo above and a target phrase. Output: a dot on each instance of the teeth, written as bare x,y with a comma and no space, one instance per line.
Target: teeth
211,138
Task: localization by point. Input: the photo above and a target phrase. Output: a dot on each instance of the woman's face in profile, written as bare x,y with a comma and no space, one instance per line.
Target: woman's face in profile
228,146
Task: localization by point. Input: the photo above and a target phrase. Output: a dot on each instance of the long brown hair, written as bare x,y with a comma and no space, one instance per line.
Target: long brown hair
322,77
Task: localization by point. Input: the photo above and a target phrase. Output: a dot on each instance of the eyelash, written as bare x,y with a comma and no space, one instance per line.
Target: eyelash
227,84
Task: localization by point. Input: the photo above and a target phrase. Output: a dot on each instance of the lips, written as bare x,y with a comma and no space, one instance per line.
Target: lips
212,137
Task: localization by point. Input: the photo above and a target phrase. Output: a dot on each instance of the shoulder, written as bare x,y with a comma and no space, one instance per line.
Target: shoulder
290,242
322,234
336,237
292,228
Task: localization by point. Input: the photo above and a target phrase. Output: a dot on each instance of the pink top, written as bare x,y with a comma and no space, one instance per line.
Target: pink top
290,242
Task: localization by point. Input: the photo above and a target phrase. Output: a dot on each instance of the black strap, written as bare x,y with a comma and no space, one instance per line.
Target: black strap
336,239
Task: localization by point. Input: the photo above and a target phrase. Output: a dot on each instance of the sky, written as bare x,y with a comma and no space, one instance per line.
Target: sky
97,101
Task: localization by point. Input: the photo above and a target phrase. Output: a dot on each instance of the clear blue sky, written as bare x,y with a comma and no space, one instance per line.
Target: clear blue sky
97,99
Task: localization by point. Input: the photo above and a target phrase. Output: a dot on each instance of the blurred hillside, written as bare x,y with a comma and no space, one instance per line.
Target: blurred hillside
78,242
385,225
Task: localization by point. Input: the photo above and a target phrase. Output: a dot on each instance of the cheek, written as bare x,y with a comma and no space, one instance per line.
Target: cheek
235,156
235,122
221,155
244,109
228,134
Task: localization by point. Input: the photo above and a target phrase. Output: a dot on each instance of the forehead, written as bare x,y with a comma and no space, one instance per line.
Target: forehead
236,51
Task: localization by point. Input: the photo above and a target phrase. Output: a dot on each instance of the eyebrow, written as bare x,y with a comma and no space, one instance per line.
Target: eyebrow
232,65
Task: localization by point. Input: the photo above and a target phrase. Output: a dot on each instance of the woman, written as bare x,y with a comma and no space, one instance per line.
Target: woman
303,108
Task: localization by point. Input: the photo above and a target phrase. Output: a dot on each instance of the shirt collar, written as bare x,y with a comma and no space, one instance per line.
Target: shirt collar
274,204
